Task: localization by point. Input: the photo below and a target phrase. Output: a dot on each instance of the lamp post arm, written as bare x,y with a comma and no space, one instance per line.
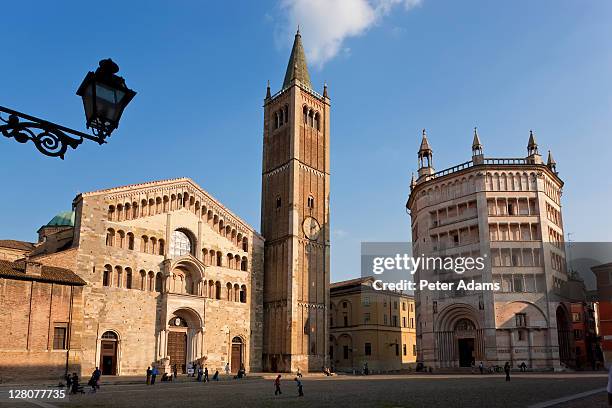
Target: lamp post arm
49,138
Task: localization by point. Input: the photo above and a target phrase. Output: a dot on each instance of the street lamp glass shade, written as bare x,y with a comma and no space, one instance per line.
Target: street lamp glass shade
105,96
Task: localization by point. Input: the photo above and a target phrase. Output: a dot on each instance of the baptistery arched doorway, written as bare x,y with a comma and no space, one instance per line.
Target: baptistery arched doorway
465,333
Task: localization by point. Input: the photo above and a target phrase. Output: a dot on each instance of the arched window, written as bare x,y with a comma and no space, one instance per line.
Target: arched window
151,206
243,294
229,293
121,242
109,335
134,210
237,262
158,282
219,258
117,277
119,212
151,285
161,247
244,264
143,280
128,211
311,118
305,115
143,208
286,114
128,278
236,293
245,244
130,240
180,244
218,290
310,202
211,289
110,237
153,245
316,121
111,212
106,277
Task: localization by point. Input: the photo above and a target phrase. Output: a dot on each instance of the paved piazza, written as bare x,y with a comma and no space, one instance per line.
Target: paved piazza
372,391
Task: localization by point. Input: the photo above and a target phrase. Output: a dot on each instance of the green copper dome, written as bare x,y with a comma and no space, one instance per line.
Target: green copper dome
63,219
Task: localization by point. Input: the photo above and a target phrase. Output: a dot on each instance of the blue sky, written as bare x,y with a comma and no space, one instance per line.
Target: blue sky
393,67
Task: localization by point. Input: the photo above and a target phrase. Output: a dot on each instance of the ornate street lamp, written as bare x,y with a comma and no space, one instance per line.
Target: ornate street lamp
105,96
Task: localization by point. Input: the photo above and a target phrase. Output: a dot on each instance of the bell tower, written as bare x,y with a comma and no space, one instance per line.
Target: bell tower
295,221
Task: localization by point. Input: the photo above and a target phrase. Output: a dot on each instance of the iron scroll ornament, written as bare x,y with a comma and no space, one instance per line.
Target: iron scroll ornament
49,138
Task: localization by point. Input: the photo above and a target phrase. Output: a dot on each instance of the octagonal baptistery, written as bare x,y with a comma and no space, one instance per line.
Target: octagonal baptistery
507,211
174,279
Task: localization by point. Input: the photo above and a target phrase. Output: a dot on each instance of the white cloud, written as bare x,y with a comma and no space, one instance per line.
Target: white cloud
327,23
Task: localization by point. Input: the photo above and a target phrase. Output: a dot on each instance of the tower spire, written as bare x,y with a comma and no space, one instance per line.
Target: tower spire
551,163
532,146
297,68
425,156
268,94
476,141
477,149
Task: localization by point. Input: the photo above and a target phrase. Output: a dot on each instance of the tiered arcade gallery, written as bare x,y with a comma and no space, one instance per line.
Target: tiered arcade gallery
507,210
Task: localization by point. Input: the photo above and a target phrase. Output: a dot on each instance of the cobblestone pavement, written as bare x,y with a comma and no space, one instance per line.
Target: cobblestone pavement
347,391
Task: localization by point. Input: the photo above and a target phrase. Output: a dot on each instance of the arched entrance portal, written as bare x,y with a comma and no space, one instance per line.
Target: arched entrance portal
108,353
465,332
237,354
563,332
177,344
184,339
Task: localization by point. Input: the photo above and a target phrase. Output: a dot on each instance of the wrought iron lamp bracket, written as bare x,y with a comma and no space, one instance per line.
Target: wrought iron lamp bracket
49,138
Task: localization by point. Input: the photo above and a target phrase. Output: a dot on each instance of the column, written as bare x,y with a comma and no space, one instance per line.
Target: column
530,344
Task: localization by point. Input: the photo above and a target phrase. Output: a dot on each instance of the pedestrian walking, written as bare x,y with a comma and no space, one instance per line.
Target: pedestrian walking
74,384
300,388
216,376
481,368
227,369
200,372
299,373
149,375
277,389
94,381
507,370
174,371
154,373
206,379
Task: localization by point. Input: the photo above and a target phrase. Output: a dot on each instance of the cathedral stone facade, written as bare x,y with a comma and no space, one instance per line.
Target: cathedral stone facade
507,211
165,275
